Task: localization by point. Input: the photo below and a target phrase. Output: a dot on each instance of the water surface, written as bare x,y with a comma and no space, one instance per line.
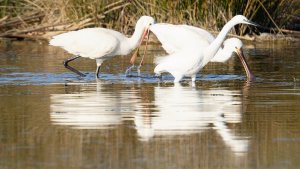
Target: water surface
51,118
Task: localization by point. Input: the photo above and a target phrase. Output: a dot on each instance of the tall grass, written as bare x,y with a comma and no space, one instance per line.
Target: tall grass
122,14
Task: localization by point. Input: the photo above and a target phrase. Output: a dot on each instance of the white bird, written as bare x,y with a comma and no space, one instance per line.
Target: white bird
191,48
100,43
233,45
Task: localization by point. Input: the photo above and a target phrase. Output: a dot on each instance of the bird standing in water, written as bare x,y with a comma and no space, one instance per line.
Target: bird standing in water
191,48
100,43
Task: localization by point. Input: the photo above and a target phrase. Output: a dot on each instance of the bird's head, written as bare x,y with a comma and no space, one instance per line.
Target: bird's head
233,44
146,21
143,24
236,45
243,19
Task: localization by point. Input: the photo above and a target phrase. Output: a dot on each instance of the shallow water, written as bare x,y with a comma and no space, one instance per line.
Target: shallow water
51,118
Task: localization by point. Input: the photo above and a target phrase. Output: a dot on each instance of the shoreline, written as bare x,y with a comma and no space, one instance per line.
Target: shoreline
46,36
49,18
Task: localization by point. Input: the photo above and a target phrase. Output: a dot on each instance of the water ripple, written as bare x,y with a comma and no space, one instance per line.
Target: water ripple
173,111
31,78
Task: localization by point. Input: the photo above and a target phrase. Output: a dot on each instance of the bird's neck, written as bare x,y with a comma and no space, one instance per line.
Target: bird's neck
136,38
216,44
223,54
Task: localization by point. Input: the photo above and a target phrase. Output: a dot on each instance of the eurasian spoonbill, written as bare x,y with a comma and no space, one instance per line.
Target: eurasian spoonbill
191,48
100,43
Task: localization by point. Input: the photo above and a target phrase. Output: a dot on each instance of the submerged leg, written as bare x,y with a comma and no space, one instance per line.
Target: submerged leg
128,70
158,75
66,64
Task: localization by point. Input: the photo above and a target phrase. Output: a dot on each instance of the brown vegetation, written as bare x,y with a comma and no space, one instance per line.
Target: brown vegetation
44,18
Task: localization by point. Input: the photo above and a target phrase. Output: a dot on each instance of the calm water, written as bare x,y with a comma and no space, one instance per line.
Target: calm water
50,118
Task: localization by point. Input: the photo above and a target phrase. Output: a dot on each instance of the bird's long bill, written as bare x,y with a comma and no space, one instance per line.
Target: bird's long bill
133,57
145,50
253,23
250,76
145,33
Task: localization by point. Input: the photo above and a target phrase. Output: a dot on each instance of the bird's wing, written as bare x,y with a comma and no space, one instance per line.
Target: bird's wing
201,32
175,38
219,56
166,34
91,42
178,37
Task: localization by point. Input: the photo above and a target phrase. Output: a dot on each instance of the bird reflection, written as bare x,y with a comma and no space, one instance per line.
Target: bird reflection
185,110
155,111
87,109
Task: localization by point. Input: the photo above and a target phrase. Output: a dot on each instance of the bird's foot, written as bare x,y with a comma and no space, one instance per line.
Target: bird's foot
139,70
128,71
158,76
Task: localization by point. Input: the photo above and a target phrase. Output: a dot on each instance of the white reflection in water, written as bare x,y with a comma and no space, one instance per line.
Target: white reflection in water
84,111
173,111
90,109
183,110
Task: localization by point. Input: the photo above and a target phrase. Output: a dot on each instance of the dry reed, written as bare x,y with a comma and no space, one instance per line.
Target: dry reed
35,17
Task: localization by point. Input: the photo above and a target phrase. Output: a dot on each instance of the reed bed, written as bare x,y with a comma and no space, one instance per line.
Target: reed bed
44,18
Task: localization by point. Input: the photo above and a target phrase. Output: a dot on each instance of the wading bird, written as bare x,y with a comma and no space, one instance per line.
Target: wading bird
233,45
191,48
100,43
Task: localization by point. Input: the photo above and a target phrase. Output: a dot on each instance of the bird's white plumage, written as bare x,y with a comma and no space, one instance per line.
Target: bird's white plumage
225,53
177,37
178,65
90,43
173,39
190,48
101,43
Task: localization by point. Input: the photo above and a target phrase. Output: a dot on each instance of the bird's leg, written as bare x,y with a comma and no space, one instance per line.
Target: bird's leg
193,78
97,71
132,60
158,75
136,52
66,64
139,71
128,71
99,62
